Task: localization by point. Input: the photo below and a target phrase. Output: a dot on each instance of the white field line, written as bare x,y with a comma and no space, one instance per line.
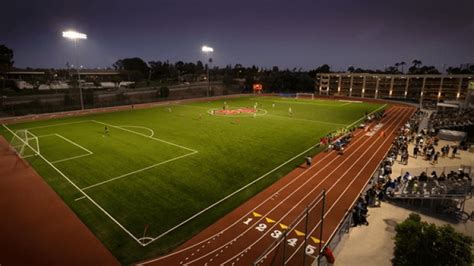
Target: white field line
308,120
83,197
282,201
60,124
238,220
297,102
72,158
149,129
146,136
73,143
47,135
350,101
138,171
342,194
231,194
345,104
85,194
358,120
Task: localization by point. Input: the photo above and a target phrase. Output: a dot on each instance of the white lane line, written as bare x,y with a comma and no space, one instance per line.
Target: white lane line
295,205
256,207
315,204
306,196
347,187
238,220
138,171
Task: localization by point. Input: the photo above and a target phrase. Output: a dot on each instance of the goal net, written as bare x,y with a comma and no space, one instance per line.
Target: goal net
25,143
305,96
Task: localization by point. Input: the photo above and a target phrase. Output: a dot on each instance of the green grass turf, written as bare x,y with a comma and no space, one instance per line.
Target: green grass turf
169,180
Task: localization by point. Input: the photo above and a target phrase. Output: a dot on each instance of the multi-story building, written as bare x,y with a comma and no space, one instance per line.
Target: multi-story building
423,89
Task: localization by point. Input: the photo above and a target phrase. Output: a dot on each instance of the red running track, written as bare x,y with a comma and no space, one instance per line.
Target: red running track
240,237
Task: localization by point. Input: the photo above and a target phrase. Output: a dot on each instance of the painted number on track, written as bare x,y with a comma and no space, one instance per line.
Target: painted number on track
261,227
247,222
276,234
310,249
292,241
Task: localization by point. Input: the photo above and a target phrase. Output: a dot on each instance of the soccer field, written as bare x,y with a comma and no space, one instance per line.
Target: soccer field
160,175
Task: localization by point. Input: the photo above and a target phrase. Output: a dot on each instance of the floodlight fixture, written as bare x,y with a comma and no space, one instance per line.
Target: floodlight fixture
74,35
207,49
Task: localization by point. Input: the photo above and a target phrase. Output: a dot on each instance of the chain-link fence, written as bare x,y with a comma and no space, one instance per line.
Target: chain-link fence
71,99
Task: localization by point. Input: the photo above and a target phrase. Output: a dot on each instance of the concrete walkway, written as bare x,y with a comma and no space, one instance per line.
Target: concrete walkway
373,244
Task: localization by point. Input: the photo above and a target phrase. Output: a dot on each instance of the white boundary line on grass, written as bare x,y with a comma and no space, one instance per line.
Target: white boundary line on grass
307,120
225,229
60,124
73,143
82,192
143,135
138,171
149,129
70,141
72,158
229,195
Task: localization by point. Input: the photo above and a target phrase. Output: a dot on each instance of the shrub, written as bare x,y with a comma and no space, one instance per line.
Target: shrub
421,243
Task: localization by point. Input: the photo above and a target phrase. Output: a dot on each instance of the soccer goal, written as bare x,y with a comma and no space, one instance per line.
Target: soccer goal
25,143
302,95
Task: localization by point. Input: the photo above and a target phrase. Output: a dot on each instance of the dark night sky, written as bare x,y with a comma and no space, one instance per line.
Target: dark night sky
363,33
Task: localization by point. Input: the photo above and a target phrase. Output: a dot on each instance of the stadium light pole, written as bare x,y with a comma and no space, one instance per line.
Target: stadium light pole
207,50
74,36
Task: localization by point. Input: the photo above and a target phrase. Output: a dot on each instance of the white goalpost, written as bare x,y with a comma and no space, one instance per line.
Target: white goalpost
25,143
304,95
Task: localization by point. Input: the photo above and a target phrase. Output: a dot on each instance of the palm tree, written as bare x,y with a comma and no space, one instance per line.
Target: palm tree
402,64
397,65
416,63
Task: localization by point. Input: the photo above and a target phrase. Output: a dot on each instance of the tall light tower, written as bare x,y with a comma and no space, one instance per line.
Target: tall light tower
207,50
74,36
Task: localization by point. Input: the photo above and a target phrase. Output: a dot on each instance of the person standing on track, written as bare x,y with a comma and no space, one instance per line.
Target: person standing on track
308,161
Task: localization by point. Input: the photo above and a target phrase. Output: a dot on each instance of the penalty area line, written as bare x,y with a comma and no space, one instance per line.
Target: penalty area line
80,190
143,135
139,170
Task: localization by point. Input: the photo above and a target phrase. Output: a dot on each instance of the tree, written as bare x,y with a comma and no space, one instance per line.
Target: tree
416,63
397,65
421,243
350,69
136,67
6,58
403,64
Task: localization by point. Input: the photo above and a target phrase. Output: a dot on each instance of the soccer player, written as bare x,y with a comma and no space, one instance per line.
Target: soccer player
290,112
273,105
106,131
